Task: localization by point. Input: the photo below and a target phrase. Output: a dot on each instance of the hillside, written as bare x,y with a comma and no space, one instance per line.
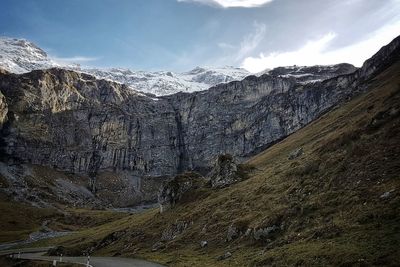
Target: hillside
336,204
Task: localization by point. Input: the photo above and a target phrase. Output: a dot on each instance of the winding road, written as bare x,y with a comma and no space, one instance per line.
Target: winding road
38,254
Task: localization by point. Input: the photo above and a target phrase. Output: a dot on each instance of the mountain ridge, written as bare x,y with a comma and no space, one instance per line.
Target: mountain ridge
75,123
21,56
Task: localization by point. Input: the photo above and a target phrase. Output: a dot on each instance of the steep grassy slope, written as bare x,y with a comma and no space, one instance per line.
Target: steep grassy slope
336,204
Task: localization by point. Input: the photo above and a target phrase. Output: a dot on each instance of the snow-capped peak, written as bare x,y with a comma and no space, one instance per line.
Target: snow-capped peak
19,56
306,74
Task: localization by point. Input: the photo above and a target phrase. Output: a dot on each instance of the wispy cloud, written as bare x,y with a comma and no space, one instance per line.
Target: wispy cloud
317,51
75,59
230,3
224,45
251,41
235,53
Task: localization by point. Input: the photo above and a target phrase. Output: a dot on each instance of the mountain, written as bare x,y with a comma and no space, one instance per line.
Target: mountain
103,131
21,56
307,74
327,195
166,82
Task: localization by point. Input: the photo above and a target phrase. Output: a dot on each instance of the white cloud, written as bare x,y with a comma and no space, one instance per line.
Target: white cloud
316,52
234,54
251,41
230,3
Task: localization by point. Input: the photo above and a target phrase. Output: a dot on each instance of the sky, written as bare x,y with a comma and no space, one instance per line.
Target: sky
179,35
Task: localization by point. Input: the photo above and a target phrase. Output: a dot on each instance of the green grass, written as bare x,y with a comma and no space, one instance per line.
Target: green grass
19,220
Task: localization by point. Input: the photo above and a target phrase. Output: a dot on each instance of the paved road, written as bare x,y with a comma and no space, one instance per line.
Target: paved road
94,261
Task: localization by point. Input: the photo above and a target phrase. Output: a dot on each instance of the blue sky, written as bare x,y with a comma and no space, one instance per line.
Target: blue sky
179,35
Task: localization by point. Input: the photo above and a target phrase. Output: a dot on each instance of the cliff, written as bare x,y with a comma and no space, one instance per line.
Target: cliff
75,123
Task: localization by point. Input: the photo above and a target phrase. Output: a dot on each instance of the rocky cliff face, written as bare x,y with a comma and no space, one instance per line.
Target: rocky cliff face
76,123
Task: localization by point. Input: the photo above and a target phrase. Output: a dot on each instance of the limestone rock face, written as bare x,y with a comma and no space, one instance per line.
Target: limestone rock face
78,124
225,172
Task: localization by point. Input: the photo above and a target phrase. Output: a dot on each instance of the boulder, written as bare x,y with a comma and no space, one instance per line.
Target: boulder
295,153
232,233
203,243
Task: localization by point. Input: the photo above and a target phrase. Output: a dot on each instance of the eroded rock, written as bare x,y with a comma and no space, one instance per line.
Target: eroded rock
232,233
3,110
224,172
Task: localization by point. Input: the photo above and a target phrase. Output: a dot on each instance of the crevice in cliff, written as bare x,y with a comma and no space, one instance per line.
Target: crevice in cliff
181,146
4,132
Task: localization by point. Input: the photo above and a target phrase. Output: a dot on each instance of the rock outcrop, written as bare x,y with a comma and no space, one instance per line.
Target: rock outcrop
3,110
75,123
224,172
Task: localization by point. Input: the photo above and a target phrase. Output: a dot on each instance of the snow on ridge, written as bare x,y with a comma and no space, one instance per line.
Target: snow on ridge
21,56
